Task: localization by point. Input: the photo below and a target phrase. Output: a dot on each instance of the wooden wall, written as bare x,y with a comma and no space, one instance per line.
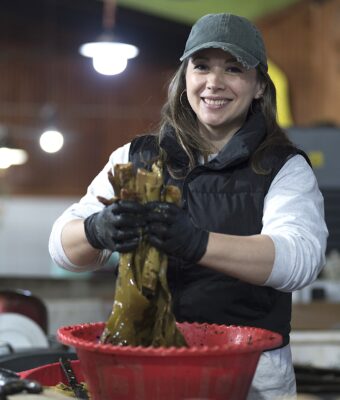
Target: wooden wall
40,68
304,41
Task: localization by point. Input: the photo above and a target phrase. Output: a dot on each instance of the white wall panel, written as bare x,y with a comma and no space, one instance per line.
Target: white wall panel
25,225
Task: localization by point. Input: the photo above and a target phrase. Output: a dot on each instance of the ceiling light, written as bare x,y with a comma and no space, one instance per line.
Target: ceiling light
108,56
51,141
9,157
9,154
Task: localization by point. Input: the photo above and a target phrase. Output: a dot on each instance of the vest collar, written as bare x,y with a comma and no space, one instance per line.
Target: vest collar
173,149
242,145
238,149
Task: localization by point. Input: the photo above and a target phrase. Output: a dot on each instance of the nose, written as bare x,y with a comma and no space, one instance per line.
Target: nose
215,80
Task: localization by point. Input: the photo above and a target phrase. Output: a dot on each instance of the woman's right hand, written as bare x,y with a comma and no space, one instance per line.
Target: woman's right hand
118,227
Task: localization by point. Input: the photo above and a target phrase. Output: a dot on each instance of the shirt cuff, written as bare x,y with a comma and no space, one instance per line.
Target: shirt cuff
284,251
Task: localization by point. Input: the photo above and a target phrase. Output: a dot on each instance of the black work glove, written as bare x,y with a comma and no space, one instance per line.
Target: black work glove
171,230
118,227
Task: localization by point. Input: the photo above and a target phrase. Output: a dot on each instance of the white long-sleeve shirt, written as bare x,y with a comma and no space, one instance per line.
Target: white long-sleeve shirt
293,216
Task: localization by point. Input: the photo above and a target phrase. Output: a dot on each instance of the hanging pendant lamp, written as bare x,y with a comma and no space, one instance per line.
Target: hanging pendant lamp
108,56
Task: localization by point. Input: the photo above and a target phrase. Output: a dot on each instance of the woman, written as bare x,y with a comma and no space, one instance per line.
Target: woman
251,227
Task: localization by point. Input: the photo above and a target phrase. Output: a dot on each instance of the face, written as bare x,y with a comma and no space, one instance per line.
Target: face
220,91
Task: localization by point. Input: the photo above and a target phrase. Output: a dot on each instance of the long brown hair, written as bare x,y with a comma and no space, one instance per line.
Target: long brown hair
178,113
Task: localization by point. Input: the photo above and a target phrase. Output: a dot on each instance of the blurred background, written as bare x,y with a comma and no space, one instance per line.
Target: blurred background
47,85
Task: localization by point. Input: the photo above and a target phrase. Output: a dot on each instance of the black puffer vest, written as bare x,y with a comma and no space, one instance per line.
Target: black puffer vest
225,196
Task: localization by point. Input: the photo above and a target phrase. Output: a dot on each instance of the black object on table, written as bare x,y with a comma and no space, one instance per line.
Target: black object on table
77,387
11,383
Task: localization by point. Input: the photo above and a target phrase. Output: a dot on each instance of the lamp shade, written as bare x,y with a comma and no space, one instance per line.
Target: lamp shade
109,57
93,49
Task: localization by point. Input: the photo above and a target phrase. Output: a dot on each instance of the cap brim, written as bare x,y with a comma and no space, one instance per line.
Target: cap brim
246,59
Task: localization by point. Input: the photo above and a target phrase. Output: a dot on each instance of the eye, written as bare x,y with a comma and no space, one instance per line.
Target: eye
200,67
234,68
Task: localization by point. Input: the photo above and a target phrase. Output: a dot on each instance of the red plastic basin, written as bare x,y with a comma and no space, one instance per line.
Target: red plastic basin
219,363
52,374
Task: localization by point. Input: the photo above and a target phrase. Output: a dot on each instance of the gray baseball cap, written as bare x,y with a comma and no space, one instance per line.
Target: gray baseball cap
231,33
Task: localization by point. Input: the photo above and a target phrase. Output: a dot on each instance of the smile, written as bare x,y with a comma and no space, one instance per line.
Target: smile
215,102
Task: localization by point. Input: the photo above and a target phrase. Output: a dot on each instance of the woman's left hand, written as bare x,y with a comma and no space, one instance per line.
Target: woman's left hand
171,230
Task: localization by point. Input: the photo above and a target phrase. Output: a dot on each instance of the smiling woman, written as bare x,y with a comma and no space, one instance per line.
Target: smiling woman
220,90
250,228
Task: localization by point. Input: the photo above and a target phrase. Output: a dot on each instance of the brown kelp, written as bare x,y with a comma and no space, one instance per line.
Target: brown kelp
141,313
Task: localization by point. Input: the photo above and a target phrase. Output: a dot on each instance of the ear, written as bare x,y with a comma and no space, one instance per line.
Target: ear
260,90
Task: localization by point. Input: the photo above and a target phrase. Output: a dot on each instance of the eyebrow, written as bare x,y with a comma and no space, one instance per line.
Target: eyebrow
194,58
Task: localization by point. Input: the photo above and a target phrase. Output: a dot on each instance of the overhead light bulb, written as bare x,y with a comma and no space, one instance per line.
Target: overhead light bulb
9,154
9,157
51,141
109,65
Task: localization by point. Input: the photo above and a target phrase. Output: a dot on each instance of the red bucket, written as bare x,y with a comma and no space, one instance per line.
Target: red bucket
219,363
52,374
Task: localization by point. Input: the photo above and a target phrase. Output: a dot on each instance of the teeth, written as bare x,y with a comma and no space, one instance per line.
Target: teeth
217,102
